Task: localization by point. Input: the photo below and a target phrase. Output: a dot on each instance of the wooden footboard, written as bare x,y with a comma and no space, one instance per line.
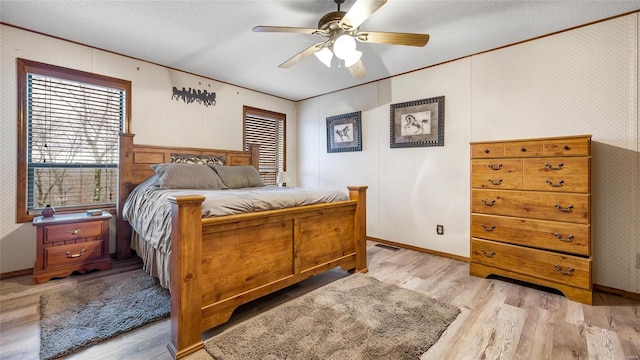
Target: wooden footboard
223,262
220,263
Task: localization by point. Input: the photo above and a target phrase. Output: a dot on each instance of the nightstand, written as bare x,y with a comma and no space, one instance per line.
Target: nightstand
71,242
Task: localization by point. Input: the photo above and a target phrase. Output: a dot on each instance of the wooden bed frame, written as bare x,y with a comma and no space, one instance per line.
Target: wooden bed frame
222,262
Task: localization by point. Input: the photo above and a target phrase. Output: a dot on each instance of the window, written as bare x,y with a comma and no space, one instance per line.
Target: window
267,129
68,125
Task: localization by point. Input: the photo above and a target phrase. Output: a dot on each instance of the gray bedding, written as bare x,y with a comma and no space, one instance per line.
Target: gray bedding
147,208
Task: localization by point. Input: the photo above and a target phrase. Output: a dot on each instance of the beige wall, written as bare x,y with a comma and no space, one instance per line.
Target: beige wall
155,118
584,81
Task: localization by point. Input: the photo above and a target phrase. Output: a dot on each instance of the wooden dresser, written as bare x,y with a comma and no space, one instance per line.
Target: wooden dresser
531,212
71,242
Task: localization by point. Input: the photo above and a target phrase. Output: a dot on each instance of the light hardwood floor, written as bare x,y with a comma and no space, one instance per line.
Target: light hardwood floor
499,319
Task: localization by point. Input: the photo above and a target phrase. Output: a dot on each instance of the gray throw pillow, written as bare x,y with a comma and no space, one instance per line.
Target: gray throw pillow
241,176
187,176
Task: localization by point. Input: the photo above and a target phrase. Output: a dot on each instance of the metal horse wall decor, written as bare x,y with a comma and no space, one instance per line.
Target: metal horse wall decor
201,96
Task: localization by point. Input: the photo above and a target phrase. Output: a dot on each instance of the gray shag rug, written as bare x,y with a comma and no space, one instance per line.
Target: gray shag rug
357,317
97,310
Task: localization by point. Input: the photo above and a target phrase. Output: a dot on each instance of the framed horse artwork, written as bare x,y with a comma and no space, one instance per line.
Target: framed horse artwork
344,132
417,123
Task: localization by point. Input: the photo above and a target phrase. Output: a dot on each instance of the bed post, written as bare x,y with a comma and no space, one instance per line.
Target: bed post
125,185
359,193
186,273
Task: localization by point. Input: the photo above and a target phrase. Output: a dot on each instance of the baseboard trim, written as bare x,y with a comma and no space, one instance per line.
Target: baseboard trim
419,249
12,274
596,287
618,292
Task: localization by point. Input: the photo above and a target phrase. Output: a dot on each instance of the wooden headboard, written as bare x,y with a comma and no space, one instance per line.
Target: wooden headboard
135,167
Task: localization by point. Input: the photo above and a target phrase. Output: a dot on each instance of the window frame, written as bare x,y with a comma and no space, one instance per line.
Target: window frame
251,111
25,67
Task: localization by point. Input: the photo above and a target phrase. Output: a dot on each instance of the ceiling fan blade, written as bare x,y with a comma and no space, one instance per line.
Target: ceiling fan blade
359,12
303,54
357,70
284,29
393,38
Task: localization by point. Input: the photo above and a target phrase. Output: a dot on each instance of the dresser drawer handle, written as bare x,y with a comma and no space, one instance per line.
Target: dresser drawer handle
498,182
567,239
523,149
489,255
567,209
486,151
70,256
75,232
566,147
494,167
568,272
550,167
488,228
558,184
488,203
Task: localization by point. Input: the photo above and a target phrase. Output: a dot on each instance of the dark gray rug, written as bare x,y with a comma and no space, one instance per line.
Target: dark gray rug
96,310
357,317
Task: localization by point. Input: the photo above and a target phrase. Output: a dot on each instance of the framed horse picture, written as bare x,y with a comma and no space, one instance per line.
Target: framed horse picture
344,132
417,123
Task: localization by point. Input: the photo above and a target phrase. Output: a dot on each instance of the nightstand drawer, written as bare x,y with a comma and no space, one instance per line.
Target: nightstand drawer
81,230
73,253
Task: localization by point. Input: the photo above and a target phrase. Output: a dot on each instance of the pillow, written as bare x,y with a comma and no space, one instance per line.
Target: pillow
236,177
198,159
187,176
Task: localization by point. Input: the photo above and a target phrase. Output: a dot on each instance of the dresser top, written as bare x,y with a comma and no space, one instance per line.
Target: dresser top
532,139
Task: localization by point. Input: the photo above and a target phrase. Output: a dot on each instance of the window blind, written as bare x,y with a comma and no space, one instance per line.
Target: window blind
72,142
269,134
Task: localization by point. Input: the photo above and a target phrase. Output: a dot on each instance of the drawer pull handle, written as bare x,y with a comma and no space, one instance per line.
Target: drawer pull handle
486,151
567,239
495,167
568,272
488,228
498,182
488,203
566,147
523,149
558,184
567,209
489,255
70,256
75,232
550,167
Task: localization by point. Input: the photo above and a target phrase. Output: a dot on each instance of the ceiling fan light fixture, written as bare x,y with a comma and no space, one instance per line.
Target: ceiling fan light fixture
352,58
344,46
325,55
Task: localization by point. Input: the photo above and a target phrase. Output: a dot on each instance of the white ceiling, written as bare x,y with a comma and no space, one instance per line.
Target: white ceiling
214,38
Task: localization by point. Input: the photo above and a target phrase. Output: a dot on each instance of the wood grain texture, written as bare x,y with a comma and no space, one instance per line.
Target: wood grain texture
531,218
555,327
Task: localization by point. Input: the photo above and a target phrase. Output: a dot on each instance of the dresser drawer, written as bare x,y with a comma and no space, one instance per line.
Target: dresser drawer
487,150
523,148
550,235
561,268
534,205
72,253
496,174
568,147
80,230
557,174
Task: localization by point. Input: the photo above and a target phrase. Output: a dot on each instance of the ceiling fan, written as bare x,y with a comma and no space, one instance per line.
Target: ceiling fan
341,30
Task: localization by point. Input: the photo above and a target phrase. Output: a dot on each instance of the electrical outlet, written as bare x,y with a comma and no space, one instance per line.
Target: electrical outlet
440,229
